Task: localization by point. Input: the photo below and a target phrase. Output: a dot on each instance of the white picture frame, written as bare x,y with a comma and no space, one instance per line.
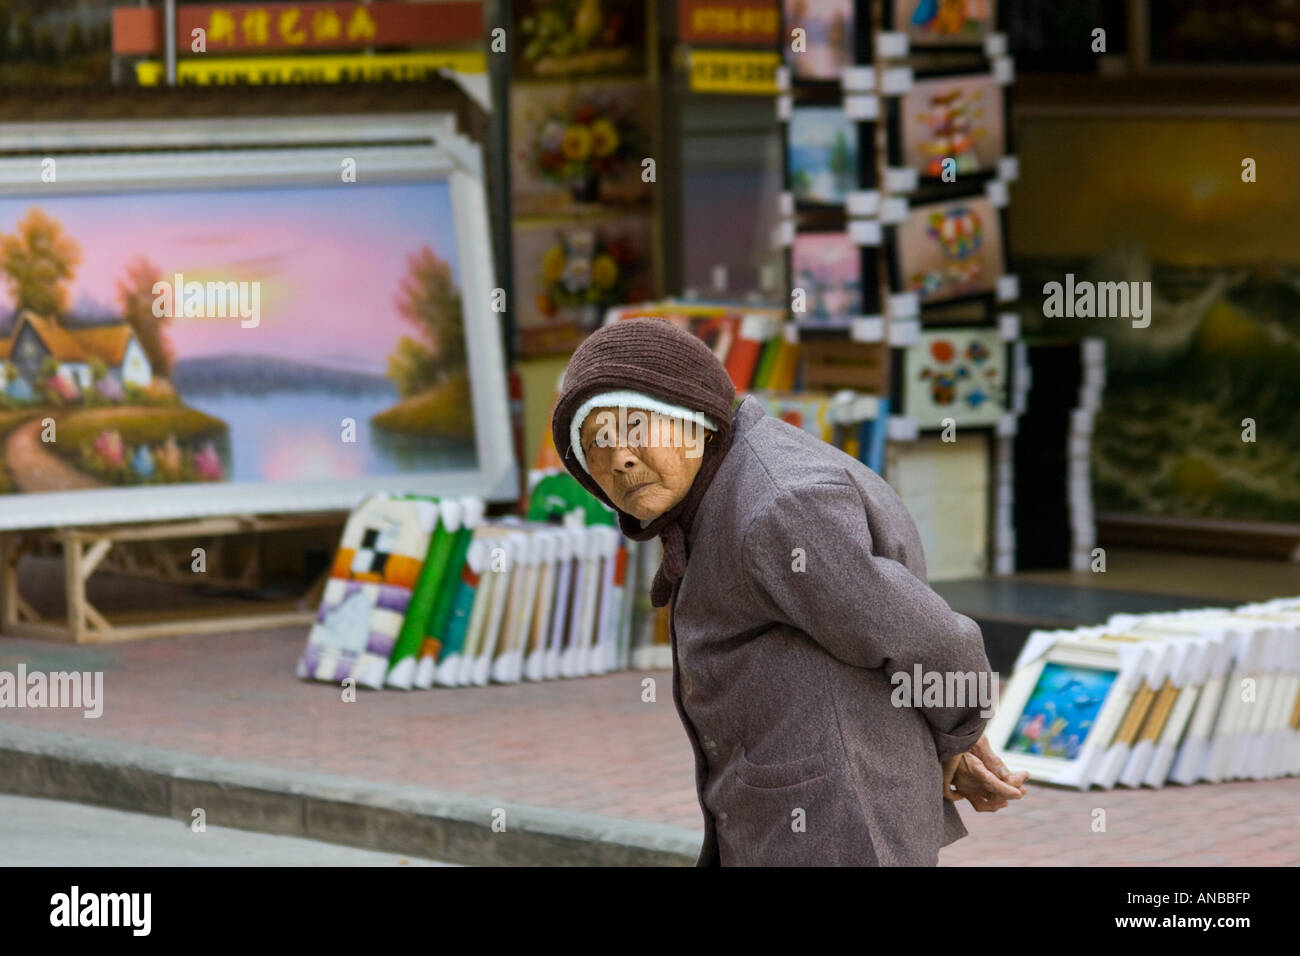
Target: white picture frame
1121,661
108,158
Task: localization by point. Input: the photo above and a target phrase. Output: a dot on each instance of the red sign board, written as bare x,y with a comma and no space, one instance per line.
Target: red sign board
729,22
280,27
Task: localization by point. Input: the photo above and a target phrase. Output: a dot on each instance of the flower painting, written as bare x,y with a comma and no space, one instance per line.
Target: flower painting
574,37
569,273
576,145
354,367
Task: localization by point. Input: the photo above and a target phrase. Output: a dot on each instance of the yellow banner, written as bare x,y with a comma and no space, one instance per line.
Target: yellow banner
344,68
734,71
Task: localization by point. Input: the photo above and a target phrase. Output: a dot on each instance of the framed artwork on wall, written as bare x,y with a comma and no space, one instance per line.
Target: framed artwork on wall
949,250
568,272
573,145
214,329
943,23
827,267
960,117
833,38
958,373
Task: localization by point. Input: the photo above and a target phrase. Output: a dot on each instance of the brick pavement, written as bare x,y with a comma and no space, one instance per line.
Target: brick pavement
588,745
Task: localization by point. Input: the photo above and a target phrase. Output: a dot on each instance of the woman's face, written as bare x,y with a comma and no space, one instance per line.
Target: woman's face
645,462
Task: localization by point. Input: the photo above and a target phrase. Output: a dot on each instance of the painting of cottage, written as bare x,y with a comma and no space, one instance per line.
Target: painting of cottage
113,349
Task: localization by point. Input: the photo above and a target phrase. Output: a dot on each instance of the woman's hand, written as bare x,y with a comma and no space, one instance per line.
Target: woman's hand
983,751
973,781
981,777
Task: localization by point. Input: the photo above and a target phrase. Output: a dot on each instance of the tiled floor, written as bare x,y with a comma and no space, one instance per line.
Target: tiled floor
588,745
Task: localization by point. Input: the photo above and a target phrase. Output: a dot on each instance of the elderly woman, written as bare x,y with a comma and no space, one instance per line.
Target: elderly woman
797,590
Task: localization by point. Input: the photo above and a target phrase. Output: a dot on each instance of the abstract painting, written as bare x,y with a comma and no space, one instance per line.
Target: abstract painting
951,250
958,118
945,22
957,373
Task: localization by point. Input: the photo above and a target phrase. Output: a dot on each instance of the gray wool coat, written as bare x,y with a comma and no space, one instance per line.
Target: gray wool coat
782,664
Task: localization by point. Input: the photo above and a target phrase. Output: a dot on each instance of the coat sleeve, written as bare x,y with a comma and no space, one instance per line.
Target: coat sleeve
865,609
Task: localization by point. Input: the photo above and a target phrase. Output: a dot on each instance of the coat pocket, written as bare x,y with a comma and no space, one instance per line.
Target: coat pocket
772,776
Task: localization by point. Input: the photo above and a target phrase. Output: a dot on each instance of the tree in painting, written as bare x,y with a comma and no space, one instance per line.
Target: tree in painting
429,368
135,297
39,263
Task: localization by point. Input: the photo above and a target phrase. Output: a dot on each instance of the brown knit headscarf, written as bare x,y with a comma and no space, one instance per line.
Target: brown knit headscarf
664,361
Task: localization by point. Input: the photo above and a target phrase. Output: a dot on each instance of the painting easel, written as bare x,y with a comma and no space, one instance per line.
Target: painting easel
87,550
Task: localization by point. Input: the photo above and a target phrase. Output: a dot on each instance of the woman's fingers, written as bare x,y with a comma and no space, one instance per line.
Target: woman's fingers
973,777
983,751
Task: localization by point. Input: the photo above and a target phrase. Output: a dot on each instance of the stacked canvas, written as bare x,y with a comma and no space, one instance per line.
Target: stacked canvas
851,421
426,592
1200,695
1053,504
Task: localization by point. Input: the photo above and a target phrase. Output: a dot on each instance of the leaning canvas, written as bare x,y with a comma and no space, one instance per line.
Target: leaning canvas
1063,705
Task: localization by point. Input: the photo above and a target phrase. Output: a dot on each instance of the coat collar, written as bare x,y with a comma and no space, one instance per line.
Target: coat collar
746,415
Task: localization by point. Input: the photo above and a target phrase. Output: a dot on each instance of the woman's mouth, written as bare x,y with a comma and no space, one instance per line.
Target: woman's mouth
638,487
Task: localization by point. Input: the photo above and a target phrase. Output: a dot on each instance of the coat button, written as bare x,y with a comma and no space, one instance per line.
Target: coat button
722,817
709,744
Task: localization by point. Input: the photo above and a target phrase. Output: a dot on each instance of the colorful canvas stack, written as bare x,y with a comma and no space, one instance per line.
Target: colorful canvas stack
428,593
1209,694
851,421
374,576
1053,507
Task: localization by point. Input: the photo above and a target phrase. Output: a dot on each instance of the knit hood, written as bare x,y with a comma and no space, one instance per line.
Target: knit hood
656,358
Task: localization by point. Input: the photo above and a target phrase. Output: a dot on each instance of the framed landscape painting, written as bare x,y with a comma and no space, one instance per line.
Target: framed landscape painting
229,330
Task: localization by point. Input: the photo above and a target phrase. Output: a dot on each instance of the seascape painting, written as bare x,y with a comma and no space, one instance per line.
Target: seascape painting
1061,711
1198,416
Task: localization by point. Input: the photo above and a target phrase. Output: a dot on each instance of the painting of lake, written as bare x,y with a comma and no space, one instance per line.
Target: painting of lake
338,350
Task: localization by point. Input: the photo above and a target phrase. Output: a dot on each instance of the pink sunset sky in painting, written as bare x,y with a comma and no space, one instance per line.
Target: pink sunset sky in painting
330,261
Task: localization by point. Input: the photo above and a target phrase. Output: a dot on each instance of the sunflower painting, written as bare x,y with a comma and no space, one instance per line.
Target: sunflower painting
575,145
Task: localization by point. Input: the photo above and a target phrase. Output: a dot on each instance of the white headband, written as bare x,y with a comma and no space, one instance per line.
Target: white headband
629,399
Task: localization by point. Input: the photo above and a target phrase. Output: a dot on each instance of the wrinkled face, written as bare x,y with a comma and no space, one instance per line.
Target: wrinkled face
644,461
